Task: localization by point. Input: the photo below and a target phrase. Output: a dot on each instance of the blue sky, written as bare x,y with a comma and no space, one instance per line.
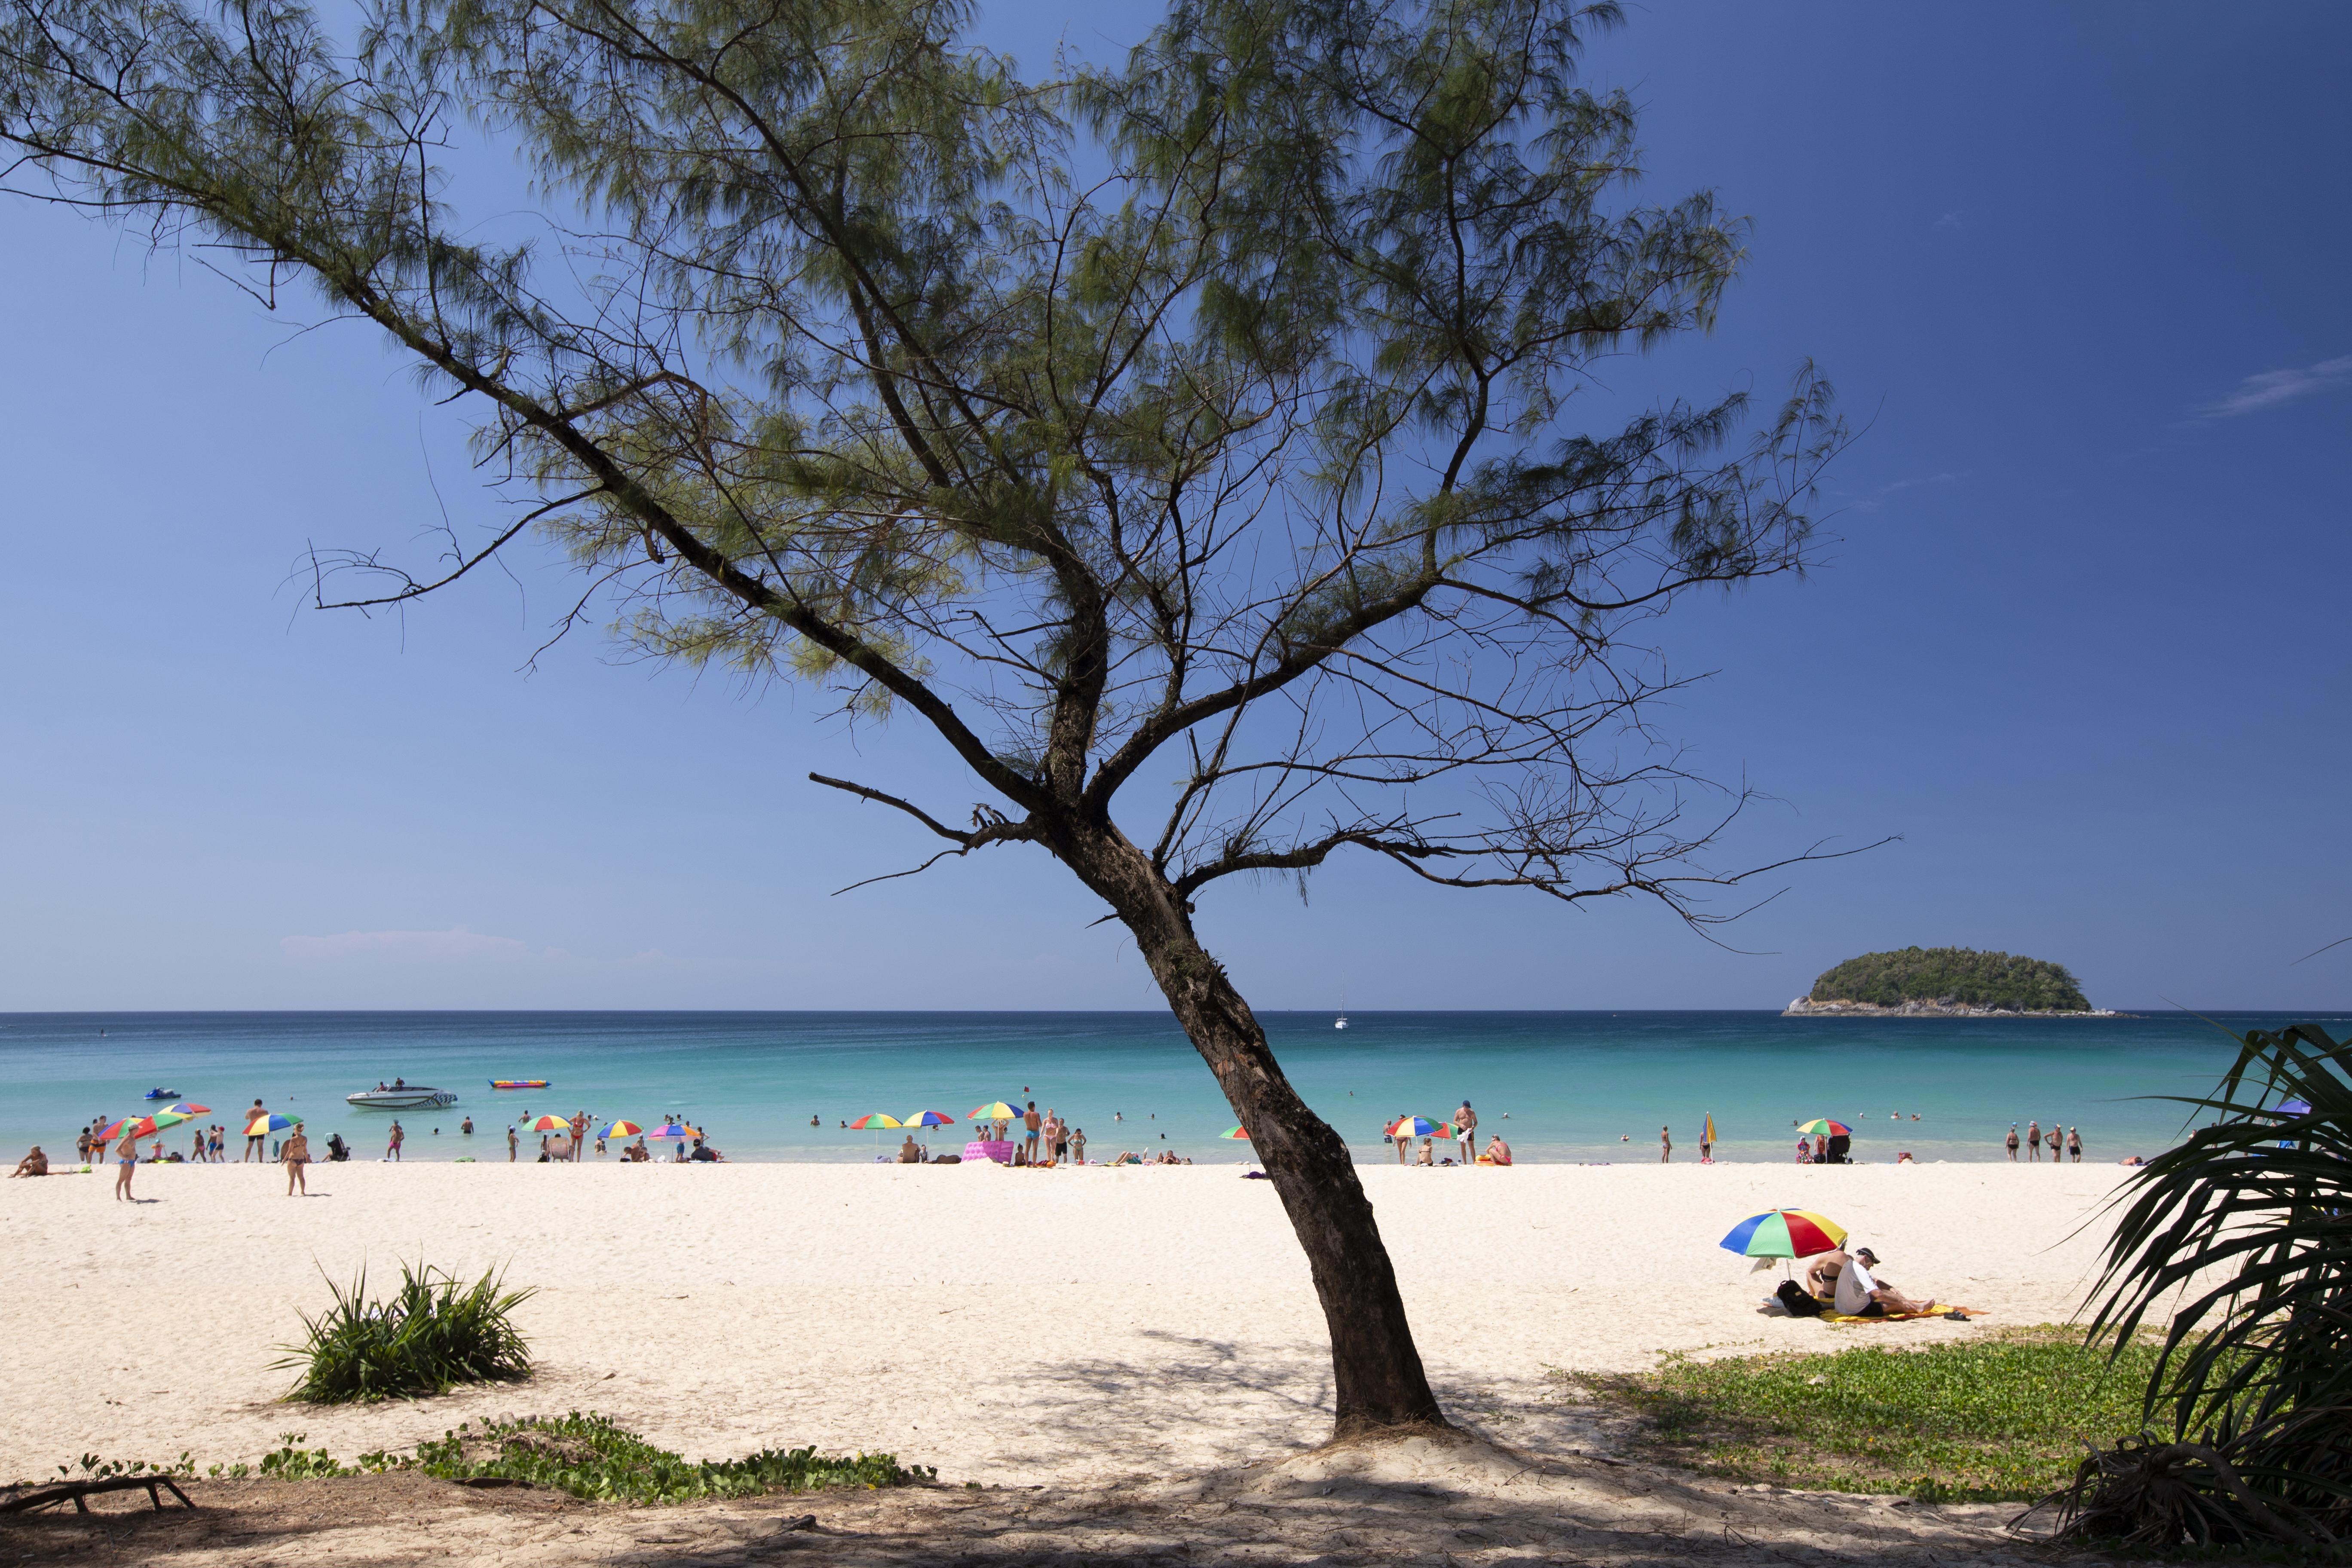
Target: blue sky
2078,270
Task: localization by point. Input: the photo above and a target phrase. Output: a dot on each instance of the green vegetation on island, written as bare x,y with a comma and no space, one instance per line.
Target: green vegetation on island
1953,977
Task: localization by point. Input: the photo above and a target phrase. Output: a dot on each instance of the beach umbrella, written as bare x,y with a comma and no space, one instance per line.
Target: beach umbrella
865,1123
1234,1131
186,1109
551,1124
994,1111
1708,1136
1411,1127
1784,1233
262,1126
137,1126
673,1130
621,1129
1824,1127
929,1118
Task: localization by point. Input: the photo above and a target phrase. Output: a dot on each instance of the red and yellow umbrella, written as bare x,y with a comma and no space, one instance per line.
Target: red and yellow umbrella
1784,1233
1823,1127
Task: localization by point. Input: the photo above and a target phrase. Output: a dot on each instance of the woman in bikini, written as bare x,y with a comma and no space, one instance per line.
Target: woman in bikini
296,1152
126,1161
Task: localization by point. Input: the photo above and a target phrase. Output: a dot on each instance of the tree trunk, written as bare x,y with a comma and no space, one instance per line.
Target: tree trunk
1376,1369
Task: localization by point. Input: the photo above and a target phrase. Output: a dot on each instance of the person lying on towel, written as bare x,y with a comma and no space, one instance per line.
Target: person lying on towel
1862,1294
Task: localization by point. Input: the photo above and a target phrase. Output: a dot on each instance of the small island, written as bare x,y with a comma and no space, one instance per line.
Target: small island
1946,982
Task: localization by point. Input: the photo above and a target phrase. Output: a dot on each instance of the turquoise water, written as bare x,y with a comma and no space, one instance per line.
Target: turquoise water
1560,1086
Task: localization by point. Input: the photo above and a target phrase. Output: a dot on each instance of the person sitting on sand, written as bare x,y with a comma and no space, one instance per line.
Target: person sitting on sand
1428,1156
1862,1294
33,1165
1497,1151
296,1152
910,1151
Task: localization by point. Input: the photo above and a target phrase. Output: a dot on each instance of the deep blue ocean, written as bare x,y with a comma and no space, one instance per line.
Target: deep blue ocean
1560,1086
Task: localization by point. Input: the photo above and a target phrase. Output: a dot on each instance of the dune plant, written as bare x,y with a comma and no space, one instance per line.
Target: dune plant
2247,1226
432,1335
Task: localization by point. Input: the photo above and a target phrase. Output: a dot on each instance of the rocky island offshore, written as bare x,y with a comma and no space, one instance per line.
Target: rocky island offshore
1946,982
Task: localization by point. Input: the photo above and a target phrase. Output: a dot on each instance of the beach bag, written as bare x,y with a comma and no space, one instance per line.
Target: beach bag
1793,1297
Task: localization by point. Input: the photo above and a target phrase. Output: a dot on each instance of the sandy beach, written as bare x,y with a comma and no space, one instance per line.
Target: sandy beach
1064,1326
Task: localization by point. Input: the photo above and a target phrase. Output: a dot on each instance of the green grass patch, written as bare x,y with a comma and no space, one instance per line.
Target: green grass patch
590,1457
429,1337
2001,1419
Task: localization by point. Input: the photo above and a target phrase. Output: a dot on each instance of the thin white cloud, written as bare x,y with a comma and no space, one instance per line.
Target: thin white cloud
456,945
1948,222
2273,388
1872,502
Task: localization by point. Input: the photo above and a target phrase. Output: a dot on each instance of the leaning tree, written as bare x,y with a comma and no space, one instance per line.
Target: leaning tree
1216,423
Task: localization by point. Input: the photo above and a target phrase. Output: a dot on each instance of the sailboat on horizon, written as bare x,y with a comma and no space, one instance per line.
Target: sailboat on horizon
1341,1021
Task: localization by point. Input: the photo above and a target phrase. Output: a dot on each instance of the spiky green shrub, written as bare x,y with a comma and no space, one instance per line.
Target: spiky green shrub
432,1335
590,1457
2244,1233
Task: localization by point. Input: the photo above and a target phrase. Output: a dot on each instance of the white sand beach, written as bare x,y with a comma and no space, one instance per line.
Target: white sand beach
1061,1327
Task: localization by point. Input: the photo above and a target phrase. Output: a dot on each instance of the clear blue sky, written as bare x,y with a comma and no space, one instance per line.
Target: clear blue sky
2080,270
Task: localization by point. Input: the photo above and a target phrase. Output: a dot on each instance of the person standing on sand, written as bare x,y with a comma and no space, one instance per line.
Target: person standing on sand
126,1161
1078,1147
1403,1141
391,1150
253,1139
578,1134
1665,1145
1030,1124
511,1142
1466,1132
297,1156
2033,1142
2012,1142
2074,1144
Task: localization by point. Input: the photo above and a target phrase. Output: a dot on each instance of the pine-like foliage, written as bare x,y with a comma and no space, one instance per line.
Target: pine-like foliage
1955,976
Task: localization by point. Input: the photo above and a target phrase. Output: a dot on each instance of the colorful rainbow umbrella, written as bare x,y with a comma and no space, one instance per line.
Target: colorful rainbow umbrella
261,1126
929,1118
621,1129
1412,1127
137,1126
1784,1233
1233,1132
1825,1126
995,1110
673,1130
186,1109
863,1124
551,1124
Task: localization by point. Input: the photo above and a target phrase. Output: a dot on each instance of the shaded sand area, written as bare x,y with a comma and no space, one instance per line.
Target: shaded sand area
1420,1502
1055,1327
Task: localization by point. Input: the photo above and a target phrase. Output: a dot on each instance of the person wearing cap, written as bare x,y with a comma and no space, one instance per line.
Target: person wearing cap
1862,1294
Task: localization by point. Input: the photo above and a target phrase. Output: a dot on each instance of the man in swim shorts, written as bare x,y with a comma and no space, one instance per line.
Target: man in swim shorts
253,1141
1031,1122
33,1165
1466,1132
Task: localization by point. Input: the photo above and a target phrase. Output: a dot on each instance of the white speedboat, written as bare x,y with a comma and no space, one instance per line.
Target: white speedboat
402,1096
